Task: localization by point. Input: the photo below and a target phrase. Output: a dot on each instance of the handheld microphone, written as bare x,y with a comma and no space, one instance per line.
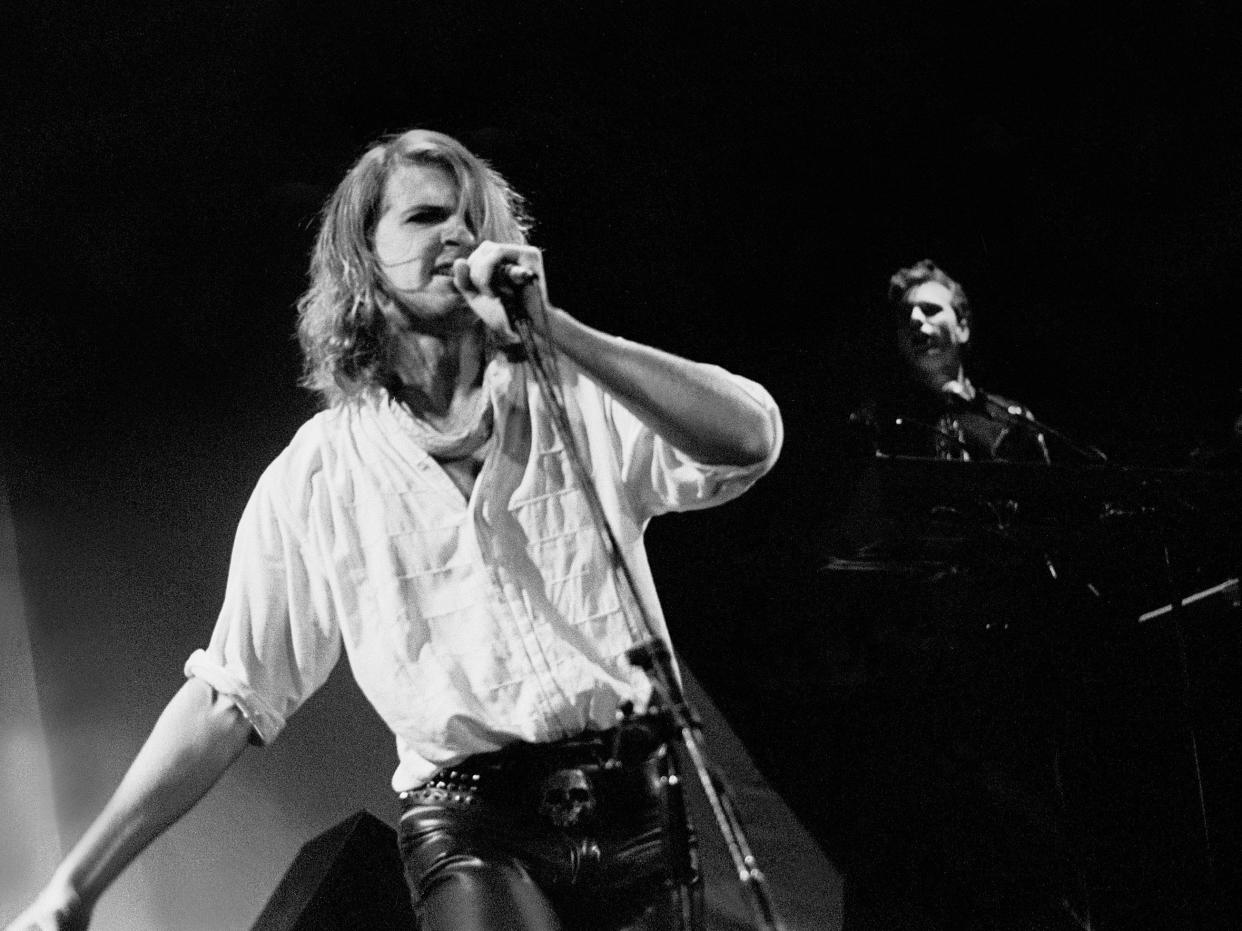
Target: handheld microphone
510,275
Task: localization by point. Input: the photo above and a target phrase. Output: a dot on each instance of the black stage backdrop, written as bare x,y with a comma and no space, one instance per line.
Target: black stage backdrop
731,183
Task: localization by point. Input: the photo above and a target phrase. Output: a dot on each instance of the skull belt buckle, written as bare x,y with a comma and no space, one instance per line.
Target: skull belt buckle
567,798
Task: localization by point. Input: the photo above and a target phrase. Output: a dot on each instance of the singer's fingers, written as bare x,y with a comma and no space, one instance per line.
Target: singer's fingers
469,280
461,277
482,264
488,258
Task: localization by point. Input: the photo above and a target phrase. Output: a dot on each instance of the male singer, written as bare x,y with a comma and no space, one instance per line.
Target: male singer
429,524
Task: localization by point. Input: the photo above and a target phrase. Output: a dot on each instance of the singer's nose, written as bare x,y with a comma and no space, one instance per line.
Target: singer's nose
457,231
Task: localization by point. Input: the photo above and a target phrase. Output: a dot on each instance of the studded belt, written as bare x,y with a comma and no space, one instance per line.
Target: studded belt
554,778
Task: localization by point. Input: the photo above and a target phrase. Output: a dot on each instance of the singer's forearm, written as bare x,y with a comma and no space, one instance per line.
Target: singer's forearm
691,405
196,739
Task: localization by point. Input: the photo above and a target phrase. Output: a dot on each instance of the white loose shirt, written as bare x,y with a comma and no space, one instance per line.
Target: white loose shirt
468,624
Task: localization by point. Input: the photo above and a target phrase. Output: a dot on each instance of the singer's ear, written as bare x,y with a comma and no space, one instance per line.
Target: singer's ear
963,331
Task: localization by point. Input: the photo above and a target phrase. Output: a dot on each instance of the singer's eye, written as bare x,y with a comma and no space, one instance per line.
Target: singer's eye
427,215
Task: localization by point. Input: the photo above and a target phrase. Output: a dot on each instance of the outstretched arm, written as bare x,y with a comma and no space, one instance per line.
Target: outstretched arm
196,739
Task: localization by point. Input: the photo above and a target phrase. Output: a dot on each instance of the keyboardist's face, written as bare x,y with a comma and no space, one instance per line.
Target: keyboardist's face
929,335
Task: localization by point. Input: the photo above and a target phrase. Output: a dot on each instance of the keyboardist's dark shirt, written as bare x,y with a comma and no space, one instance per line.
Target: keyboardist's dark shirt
919,423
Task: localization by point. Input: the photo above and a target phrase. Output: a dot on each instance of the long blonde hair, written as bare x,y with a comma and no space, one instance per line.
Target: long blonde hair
347,343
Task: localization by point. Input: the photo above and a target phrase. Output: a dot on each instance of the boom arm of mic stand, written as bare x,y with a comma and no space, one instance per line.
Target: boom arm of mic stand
1087,450
654,655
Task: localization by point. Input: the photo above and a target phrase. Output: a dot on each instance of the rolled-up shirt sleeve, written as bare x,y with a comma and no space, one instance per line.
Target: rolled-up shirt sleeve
661,478
275,641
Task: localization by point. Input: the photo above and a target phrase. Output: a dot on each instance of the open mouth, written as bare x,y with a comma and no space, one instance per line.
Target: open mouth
922,342
445,265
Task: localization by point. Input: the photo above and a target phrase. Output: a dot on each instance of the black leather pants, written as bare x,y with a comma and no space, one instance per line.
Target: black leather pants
556,836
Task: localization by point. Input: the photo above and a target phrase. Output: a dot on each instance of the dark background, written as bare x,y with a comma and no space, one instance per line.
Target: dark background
734,184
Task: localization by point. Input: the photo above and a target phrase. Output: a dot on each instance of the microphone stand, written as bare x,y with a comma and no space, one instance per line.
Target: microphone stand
523,301
1027,421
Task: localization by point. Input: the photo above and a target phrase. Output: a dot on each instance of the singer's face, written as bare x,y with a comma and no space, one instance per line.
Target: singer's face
929,334
420,232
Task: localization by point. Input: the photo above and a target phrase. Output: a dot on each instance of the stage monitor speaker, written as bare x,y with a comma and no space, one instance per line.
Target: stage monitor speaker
347,878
